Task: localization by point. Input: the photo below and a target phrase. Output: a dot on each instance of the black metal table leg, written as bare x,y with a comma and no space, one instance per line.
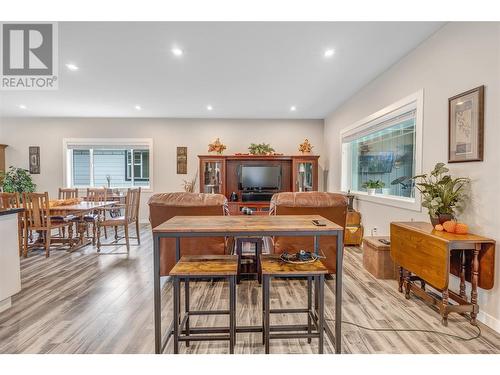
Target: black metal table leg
186,306
309,307
338,294
176,314
232,313
321,321
265,287
157,293
239,252
263,313
258,251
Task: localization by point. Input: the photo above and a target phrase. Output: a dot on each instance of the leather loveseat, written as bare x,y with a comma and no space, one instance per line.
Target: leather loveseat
167,205
329,205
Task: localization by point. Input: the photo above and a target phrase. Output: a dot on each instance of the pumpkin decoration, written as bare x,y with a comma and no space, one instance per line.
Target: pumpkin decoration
439,228
461,228
449,226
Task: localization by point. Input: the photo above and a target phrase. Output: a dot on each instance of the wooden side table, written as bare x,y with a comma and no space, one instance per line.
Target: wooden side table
429,256
377,258
273,266
203,266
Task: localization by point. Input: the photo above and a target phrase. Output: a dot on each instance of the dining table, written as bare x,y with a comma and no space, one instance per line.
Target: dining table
79,210
179,227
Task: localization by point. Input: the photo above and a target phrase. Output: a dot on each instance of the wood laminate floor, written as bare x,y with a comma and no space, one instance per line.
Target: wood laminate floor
88,303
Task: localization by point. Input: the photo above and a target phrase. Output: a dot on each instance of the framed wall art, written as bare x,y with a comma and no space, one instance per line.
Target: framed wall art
34,162
181,160
466,126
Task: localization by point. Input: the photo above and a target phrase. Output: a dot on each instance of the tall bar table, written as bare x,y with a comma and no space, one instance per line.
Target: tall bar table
241,226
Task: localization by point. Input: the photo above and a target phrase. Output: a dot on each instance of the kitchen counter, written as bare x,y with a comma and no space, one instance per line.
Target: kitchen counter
10,266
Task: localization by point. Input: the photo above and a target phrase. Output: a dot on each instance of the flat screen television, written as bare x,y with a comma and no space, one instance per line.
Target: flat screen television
257,177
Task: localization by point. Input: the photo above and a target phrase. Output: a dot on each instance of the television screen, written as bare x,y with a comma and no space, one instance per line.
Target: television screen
260,177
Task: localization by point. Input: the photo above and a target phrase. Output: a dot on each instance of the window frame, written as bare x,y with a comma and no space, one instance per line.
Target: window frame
144,143
409,203
128,176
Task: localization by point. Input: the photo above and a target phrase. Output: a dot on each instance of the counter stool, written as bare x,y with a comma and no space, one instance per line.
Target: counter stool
199,267
243,270
273,266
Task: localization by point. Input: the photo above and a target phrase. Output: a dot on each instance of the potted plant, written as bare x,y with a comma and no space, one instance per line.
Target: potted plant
17,180
442,195
371,186
261,149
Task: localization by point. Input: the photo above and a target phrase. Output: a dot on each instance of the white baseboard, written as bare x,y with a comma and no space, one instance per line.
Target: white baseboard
489,320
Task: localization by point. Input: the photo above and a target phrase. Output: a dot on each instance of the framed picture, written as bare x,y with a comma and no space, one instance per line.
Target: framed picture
466,126
181,160
34,152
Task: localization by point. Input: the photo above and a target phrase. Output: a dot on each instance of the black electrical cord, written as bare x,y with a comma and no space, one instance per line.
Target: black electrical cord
413,330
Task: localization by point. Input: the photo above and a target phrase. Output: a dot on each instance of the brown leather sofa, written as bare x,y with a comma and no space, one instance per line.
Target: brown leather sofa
165,206
329,205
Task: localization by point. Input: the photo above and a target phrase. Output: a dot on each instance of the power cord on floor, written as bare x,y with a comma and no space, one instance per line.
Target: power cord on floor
413,330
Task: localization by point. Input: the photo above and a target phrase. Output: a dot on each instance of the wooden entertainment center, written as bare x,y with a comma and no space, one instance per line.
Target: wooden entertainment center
222,174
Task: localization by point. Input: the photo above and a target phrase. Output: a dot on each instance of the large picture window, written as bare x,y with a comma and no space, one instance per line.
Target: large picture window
385,147
108,163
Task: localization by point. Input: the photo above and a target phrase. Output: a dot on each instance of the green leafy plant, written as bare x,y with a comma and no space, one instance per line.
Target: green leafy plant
17,180
373,184
442,194
260,149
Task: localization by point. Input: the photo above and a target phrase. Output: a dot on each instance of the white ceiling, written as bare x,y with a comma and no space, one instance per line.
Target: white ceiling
244,70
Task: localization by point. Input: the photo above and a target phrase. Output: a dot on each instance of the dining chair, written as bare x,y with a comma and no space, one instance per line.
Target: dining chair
38,218
96,195
67,193
12,200
131,216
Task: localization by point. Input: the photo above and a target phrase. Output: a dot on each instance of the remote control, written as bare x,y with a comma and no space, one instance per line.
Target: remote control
318,223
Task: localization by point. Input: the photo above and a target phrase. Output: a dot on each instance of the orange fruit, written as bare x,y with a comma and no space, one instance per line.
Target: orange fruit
449,226
461,228
439,227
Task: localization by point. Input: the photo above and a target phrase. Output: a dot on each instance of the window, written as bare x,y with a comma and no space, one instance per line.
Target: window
384,147
109,163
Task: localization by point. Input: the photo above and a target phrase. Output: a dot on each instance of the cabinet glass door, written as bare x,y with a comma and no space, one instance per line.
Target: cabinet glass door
212,177
305,176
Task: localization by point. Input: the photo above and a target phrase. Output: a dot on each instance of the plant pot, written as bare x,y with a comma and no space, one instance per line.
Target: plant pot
371,191
440,219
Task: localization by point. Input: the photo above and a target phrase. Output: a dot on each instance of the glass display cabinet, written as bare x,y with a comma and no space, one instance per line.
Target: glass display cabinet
212,171
305,173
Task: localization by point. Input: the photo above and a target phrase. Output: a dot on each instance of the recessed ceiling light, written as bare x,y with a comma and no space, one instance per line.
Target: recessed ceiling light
138,107
22,106
329,52
72,67
293,108
176,51
209,108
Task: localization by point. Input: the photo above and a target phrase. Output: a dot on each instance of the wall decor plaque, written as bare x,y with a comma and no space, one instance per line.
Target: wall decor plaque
182,160
34,162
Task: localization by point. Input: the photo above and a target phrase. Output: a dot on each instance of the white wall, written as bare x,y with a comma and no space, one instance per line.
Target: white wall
167,134
460,56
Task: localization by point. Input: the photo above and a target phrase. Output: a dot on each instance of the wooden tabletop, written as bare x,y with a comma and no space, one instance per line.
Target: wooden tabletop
206,265
271,264
82,206
428,229
246,224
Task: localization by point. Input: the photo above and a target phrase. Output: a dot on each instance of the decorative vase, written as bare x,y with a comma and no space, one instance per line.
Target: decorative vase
440,219
371,191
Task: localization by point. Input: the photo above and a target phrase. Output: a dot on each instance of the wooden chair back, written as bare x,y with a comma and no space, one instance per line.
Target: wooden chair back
97,194
9,200
67,193
37,210
132,202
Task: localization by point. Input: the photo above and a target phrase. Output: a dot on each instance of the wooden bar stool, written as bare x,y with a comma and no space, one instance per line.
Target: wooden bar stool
244,269
273,266
198,267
